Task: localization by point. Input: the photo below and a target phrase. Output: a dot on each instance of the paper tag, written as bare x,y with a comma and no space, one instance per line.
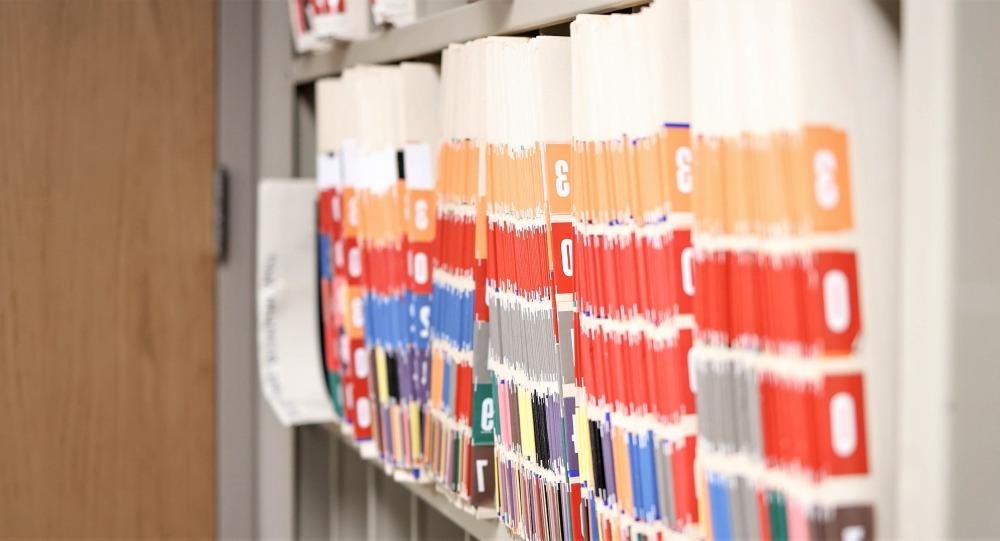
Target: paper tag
418,164
328,173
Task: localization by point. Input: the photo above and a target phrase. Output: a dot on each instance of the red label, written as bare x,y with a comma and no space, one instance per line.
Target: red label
682,261
840,425
682,402
783,281
831,302
421,267
482,310
364,409
574,506
562,257
682,468
463,392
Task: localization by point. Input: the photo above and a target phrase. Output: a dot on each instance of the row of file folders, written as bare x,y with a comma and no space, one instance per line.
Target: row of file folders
605,286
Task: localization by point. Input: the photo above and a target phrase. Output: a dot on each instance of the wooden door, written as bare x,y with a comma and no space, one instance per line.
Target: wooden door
107,415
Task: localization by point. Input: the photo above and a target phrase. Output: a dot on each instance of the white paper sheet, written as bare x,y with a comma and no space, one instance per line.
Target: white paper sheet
288,340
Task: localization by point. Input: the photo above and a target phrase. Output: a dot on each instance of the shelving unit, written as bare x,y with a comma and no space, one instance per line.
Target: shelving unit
934,339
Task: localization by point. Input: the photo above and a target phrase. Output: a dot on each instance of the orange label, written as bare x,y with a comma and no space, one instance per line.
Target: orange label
677,161
558,178
480,229
652,197
580,195
598,169
354,317
708,198
736,181
437,370
773,206
617,182
421,215
470,176
351,212
828,180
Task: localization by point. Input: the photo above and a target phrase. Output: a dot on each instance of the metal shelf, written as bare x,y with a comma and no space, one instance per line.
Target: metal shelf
483,528
434,33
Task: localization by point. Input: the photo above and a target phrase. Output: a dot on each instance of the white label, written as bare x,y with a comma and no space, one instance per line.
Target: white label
354,262
843,430
361,363
853,533
327,170
566,248
836,301
682,158
420,270
486,419
562,178
382,170
687,274
825,179
417,163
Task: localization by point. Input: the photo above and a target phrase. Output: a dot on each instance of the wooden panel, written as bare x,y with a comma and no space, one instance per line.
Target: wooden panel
106,269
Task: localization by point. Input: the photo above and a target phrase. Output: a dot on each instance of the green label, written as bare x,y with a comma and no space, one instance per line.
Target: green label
483,414
336,393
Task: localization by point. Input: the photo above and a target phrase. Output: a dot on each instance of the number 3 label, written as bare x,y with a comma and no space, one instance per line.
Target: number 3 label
557,177
825,173
825,179
562,178
420,218
682,159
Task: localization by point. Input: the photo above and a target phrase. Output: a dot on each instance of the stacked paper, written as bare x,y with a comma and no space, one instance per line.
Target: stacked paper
625,302
633,165
376,128
528,280
781,423
460,410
